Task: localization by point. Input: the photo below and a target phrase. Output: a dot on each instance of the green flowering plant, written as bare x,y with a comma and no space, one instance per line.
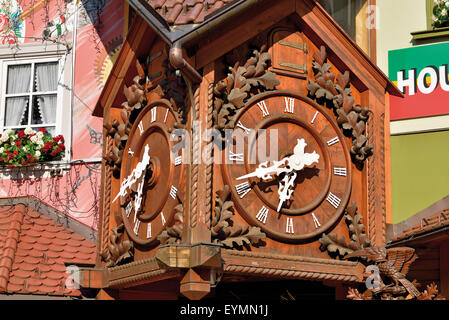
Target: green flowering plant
26,147
440,14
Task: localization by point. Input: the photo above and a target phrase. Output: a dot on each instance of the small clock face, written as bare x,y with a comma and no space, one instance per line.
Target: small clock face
151,174
292,177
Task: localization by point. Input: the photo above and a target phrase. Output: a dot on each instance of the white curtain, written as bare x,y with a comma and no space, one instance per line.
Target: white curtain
18,82
47,80
16,108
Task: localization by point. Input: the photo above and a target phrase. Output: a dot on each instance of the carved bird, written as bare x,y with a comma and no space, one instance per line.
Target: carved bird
393,263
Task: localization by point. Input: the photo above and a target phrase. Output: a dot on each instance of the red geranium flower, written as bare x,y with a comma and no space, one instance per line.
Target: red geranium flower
18,143
43,130
11,165
21,134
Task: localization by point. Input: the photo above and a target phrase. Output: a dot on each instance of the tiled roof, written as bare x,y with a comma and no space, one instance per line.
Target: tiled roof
35,251
431,223
179,12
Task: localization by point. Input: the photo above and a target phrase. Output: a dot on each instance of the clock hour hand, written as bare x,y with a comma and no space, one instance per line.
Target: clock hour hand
138,198
264,171
135,174
284,190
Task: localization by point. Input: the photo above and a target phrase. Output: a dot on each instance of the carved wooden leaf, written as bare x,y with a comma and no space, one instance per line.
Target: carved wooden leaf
268,80
333,244
354,294
237,97
312,87
343,79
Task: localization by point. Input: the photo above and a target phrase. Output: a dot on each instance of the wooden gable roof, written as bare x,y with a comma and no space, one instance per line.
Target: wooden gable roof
184,23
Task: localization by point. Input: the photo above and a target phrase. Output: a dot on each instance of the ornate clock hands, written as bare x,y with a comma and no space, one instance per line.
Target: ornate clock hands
138,198
284,188
295,162
289,165
135,174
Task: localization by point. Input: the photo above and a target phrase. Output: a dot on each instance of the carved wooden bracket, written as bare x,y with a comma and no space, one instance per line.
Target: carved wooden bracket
221,225
240,85
336,94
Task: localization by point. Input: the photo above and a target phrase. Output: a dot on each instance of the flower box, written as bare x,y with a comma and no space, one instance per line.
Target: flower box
440,12
29,147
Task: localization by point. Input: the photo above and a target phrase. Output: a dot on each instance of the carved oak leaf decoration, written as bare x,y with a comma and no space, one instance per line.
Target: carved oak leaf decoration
221,224
239,85
172,234
358,238
430,292
336,245
244,236
356,227
337,91
236,97
117,251
354,294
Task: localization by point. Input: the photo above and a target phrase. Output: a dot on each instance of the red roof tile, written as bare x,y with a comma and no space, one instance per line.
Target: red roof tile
432,223
179,12
35,250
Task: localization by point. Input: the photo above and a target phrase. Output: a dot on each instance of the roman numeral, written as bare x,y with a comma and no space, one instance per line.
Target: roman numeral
262,215
163,219
315,220
153,114
243,189
263,108
128,209
140,127
340,172
289,226
241,126
149,231
173,192
235,156
333,200
333,141
178,160
289,105
314,118
166,114
136,227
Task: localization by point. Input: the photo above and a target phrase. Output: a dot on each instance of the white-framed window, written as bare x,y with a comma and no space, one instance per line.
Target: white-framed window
30,96
35,90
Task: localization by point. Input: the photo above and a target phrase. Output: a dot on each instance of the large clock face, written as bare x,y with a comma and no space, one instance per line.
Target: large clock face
292,177
150,175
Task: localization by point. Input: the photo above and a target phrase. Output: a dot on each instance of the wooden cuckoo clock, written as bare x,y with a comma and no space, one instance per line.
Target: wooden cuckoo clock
281,173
